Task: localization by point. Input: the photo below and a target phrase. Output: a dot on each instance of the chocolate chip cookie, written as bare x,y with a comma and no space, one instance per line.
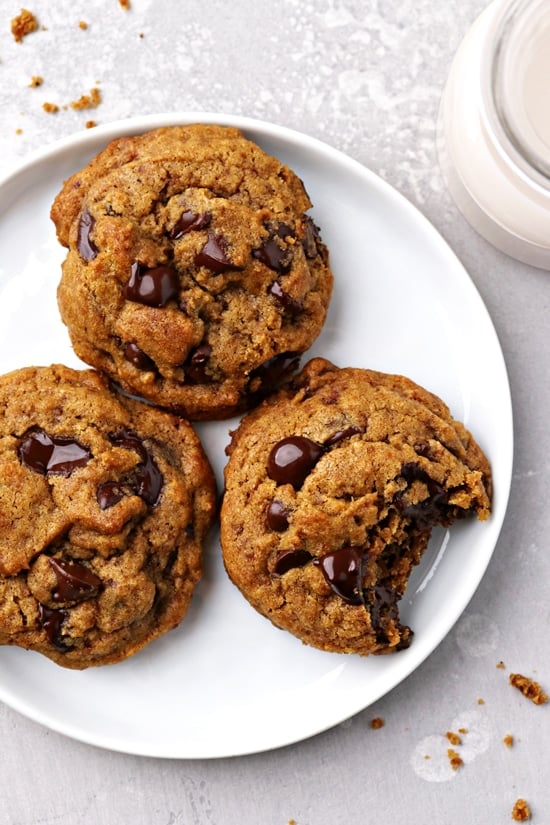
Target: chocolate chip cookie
104,506
195,276
333,486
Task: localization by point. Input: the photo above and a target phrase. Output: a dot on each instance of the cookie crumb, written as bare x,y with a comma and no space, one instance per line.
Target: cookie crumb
25,23
50,108
82,25
453,738
501,665
36,80
124,4
481,701
19,131
377,723
521,811
463,730
530,689
455,759
90,124
508,740
90,101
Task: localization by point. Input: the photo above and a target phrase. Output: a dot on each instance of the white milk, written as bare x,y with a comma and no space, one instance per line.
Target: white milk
494,131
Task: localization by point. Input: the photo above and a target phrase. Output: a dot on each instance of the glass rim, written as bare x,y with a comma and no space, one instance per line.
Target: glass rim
505,24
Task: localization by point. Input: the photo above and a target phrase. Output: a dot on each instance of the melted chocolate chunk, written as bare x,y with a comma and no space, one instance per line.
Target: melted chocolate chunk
292,459
129,441
432,510
52,455
153,287
109,494
195,366
138,358
214,254
52,621
288,303
146,480
273,372
86,247
277,516
75,582
342,435
289,559
411,471
190,221
382,605
343,571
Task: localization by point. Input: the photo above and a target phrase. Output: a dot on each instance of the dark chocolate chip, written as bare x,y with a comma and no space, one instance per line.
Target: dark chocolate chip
214,255
289,559
138,358
342,435
52,620
312,239
281,229
109,494
190,221
196,364
86,247
292,459
146,480
52,455
75,582
273,372
343,571
277,516
287,302
271,254
153,287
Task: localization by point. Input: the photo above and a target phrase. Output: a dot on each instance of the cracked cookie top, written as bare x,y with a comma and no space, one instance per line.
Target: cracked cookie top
333,486
104,506
195,276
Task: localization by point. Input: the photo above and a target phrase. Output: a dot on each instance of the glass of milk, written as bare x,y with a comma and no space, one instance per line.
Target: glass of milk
494,128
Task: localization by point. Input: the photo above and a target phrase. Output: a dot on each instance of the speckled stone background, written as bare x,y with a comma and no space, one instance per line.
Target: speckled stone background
365,76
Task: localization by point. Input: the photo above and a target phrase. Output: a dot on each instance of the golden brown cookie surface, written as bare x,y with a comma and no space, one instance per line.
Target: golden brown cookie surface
194,276
332,488
104,506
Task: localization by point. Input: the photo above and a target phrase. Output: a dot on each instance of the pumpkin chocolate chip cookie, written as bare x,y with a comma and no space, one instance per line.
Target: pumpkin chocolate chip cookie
104,506
195,277
333,486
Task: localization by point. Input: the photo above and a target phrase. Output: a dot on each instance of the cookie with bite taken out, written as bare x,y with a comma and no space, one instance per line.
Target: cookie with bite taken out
333,486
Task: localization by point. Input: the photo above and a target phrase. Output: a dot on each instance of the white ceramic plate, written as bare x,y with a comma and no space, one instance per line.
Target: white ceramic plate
226,682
